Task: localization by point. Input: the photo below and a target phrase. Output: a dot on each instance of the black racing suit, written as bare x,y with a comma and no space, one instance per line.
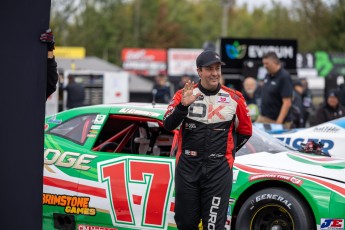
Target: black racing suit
212,129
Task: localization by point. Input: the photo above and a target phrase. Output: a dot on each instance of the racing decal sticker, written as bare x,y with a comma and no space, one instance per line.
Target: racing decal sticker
99,119
89,227
228,216
76,205
271,196
296,142
333,224
140,191
190,126
93,133
139,112
223,98
283,177
68,159
331,186
223,95
95,127
326,129
234,175
53,120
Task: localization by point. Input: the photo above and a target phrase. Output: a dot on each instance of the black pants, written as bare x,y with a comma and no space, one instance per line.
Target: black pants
202,192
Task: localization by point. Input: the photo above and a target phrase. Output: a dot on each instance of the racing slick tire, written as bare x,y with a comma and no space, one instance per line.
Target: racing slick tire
274,208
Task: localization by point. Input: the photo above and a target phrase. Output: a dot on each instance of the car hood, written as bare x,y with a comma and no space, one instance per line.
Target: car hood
325,167
331,134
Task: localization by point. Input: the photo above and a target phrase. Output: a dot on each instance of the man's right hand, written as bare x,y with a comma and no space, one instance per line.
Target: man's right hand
48,38
187,94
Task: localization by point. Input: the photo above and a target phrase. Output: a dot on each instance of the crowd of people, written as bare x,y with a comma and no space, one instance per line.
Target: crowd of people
287,101
278,98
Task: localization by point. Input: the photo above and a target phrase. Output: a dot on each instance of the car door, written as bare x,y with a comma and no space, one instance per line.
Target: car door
130,181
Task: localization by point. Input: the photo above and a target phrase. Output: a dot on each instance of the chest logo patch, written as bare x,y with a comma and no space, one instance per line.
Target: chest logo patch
223,99
215,112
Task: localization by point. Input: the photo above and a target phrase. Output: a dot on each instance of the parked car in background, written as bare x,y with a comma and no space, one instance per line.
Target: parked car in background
331,134
112,167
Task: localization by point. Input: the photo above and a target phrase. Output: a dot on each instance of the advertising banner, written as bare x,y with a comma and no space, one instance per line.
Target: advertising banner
326,64
235,52
329,63
145,62
182,61
69,52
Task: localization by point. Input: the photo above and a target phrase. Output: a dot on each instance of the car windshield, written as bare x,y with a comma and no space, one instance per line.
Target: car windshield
261,141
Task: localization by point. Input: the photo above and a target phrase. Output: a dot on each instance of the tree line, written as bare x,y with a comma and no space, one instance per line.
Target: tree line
105,27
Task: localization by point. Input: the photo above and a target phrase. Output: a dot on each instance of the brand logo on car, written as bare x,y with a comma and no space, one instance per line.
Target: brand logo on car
334,224
274,197
296,142
67,159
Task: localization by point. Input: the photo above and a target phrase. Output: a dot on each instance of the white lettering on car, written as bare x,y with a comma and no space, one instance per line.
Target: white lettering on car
274,197
67,159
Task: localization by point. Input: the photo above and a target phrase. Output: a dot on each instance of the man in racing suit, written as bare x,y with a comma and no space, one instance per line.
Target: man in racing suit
214,124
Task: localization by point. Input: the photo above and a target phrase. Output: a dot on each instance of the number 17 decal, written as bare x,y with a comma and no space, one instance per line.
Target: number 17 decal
139,190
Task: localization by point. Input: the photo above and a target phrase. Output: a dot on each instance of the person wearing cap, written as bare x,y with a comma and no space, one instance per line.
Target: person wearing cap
161,91
297,109
214,124
331,109
276,94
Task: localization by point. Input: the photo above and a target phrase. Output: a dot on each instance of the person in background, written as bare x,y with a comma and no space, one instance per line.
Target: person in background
52,74
161,91
342,94
184,79
214,124
75,93
297,105
276,94
307,100
331,109
252,96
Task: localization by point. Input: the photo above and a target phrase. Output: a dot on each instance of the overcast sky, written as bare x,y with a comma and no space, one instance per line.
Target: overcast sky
256,3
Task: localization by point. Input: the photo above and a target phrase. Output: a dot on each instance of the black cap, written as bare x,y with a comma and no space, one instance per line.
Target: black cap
333,93
297,82
208,57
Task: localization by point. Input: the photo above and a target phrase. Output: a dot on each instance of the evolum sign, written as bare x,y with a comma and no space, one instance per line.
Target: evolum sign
237,51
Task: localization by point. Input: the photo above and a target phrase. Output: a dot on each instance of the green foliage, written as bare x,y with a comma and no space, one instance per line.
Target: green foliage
105,27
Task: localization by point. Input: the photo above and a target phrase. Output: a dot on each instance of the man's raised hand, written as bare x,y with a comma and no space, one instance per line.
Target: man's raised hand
187,94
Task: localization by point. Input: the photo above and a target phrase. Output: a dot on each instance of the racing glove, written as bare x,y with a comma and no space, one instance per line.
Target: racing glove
48,38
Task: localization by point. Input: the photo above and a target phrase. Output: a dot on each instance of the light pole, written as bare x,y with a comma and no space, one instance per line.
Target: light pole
226,5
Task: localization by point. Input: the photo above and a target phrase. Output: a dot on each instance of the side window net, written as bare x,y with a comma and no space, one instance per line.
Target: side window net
75,129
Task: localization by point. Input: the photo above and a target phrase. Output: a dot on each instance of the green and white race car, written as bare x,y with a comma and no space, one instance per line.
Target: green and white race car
112,167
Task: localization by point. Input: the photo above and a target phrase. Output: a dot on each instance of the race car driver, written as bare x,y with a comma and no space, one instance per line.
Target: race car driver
214,124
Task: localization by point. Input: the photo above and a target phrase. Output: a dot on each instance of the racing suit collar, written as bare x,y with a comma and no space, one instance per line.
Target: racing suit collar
208,92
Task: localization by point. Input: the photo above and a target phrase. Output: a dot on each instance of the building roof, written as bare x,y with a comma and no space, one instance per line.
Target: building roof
136,83
87,63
